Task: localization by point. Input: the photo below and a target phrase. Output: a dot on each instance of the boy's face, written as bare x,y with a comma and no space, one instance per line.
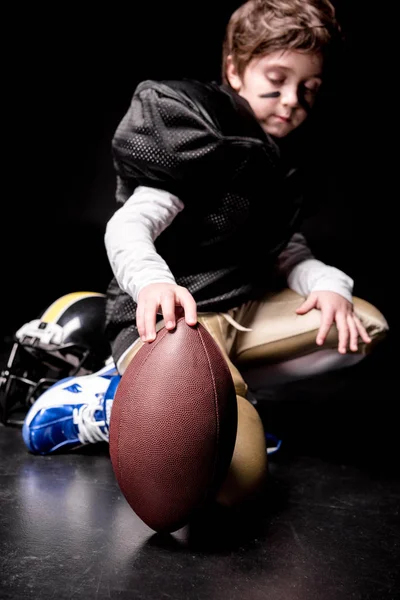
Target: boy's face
294,76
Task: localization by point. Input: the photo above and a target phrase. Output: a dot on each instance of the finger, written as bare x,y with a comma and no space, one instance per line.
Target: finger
150,315
307,305
168,310
189,306
353,333
343,332
326,324
140,320
361,330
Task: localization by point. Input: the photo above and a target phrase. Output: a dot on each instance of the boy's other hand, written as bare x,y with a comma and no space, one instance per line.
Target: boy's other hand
168,299
336,309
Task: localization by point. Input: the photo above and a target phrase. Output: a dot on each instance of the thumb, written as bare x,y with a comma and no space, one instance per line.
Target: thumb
307,305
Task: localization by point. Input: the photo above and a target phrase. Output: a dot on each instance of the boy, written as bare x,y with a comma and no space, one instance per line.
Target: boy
210,205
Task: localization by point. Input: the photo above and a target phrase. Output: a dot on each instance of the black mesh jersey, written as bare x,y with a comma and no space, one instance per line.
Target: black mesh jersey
202,142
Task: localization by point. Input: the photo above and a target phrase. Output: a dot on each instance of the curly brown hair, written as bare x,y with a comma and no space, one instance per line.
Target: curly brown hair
259,27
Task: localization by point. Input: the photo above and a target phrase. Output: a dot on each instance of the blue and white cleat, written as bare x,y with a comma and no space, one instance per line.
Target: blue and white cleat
71,413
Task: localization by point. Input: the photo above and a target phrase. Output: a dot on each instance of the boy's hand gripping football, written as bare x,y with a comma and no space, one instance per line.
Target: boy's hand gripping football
168,299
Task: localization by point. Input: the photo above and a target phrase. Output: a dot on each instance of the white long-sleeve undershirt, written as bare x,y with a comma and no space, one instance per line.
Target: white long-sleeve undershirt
132,230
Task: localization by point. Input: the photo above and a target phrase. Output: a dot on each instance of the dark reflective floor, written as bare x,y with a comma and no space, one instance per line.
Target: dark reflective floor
328,528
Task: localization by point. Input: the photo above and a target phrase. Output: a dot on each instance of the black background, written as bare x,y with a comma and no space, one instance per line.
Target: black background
69,79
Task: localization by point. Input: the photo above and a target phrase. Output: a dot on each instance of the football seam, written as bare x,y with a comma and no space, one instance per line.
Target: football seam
156,341
215,402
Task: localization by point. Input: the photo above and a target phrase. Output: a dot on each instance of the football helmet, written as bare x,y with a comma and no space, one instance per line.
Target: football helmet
66,340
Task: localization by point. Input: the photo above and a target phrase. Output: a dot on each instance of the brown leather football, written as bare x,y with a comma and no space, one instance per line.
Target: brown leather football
173,426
